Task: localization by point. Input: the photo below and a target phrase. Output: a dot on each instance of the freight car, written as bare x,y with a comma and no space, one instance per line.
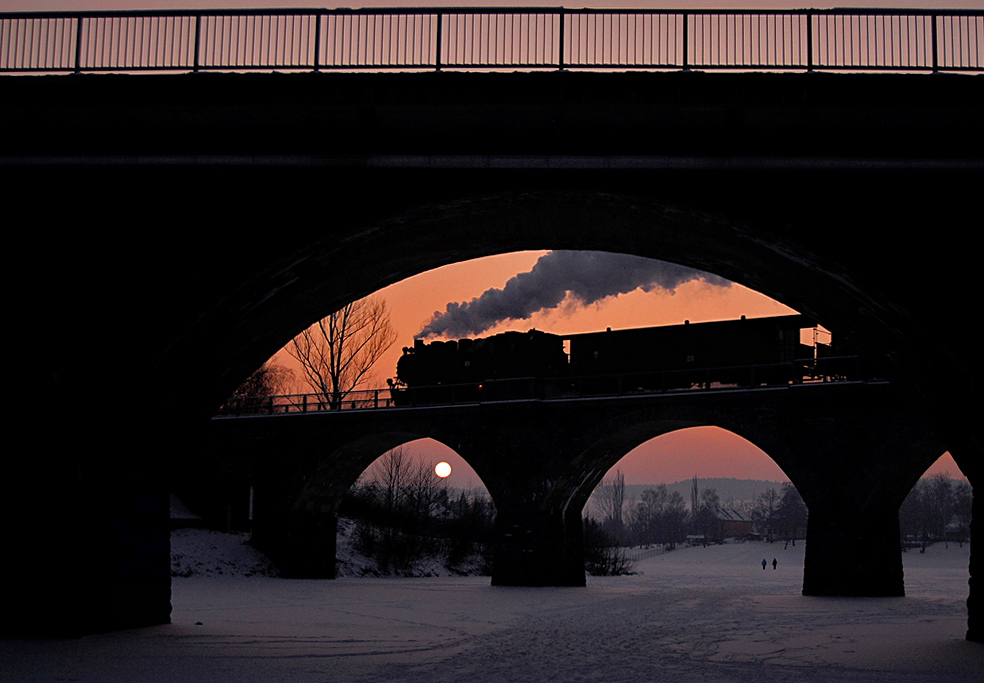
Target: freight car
538,364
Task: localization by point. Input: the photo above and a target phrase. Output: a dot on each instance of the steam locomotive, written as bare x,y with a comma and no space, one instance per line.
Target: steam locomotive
538,364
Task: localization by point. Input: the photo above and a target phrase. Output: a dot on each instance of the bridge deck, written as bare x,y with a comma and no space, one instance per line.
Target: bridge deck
587,388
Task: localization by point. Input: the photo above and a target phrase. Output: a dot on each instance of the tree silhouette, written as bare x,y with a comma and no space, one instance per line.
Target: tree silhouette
253,395
790,516
337,353
931,505
611,496
764,512
270,379
659,516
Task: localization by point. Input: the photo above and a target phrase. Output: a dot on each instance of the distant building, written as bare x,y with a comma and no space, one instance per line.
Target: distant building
731,524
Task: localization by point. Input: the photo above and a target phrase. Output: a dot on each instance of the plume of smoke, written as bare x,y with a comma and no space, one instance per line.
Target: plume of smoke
584,276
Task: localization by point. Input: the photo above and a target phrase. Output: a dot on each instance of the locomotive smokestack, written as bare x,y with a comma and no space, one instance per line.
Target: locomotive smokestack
585,276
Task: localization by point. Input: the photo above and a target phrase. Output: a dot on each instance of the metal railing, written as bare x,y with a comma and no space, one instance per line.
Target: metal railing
817,371
369,399
634,555
492,38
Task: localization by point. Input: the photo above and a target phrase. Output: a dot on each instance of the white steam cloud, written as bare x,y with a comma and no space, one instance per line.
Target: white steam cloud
585,276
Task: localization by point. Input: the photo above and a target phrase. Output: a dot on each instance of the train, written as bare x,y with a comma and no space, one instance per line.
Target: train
537,364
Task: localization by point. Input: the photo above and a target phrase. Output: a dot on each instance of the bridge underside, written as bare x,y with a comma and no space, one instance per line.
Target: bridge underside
177,232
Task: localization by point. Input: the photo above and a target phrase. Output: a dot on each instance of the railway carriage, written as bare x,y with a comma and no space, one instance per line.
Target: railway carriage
536,364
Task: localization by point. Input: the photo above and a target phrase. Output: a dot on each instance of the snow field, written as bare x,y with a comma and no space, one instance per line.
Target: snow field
695,614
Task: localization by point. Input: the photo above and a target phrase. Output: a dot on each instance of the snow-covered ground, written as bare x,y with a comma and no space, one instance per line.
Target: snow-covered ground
351,563
695,614
203,552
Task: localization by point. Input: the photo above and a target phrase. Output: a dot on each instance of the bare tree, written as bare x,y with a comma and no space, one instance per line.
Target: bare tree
611,496
764,513
253,395
392,473
940,493
405,494
337,353
790,517
930,507
704,518
270,379
658,517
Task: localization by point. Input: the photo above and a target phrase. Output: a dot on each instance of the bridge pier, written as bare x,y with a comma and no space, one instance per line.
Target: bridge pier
853,457
295,529
87,535
302,545
538,549
852,553
87,560
975,601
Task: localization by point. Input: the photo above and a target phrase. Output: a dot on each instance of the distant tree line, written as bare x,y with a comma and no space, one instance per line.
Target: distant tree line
781,515
661,517
937,509
403,514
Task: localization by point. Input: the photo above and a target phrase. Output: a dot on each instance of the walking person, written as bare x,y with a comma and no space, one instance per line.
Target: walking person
774,563
763,564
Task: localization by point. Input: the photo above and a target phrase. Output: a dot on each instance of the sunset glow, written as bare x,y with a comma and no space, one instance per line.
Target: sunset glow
702,451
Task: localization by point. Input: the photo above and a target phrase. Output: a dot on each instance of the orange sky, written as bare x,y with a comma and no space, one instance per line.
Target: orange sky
705,452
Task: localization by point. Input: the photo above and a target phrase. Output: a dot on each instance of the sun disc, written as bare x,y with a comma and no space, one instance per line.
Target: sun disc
442,469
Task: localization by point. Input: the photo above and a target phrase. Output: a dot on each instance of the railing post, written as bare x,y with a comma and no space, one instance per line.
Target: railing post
686,42
809,41
437,49
936,65
317,41
560,38
198,39
78,44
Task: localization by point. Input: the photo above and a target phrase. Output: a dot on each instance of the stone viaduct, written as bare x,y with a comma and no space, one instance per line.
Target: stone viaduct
542,459
167,234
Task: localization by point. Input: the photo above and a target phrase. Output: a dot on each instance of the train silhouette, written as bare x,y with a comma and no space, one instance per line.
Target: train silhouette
536,364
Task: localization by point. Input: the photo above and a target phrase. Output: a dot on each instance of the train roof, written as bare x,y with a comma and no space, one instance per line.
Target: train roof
787,322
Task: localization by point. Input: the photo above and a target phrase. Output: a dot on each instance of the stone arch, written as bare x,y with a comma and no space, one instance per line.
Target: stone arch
299,528
336,474
617,437
838,444
680,431
748,247
754,246
324,274
921,477
217,313
401,239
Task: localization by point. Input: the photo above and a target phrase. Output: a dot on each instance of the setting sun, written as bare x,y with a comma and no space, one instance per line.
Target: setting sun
442,469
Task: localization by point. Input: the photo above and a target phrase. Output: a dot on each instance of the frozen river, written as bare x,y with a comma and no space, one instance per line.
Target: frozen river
698,614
